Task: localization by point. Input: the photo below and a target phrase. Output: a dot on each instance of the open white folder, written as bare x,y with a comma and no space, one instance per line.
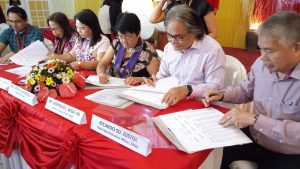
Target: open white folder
196,130
149,95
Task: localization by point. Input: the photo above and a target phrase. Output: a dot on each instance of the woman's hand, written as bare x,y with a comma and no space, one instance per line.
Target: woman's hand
150,81
103,78
75,65
133,80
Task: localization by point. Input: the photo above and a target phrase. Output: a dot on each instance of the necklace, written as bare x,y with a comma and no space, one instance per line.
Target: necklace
130,50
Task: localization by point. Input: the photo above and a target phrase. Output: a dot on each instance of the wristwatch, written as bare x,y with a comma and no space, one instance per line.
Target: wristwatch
190,90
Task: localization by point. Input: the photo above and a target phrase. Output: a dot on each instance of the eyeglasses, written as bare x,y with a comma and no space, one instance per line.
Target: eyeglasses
125,37
178,38
55,29
14,22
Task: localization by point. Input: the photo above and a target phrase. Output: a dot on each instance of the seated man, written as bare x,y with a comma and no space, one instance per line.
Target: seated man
273,84
194,58
20,34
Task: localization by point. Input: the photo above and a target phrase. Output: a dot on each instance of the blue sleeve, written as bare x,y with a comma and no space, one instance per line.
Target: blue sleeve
4,36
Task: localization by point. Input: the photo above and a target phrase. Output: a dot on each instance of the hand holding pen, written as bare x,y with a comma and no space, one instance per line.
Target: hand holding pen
103,78
212,95
150,81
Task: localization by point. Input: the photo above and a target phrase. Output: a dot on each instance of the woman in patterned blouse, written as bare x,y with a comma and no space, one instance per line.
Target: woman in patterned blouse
90,45
129,56
62,30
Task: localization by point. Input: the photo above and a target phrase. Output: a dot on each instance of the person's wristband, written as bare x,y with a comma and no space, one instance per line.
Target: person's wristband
222,97
189,89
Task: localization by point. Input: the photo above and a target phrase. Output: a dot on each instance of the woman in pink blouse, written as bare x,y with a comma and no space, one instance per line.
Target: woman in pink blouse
63,31
90,45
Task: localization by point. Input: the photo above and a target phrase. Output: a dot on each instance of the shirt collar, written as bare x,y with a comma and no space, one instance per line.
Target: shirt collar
296,72
198,44
21,33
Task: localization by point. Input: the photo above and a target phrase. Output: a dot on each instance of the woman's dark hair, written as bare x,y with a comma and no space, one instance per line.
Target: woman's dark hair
106,2
89,18
19,11
62,20
14,2
128,22
2,17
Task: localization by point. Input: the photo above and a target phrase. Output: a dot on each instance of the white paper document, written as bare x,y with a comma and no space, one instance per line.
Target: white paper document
21,71
196,130
109,97
113,82
31,55
147,98
161,86
151,96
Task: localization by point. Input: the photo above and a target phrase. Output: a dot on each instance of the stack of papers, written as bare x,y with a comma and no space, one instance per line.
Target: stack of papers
31,55
109,97
196,130
149,95
113,82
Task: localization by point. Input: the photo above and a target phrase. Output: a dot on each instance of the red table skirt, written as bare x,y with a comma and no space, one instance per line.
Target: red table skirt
47,140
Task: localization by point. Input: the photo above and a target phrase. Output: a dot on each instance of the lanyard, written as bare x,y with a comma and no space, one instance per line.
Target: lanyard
19,43
60,46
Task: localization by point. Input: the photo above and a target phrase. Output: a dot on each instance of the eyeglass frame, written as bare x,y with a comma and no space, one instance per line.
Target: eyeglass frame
178,38
125,37
10,22
55,29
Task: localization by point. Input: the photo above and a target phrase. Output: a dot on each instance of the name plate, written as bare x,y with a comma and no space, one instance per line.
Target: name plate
121,135
71,113
22,94
4,83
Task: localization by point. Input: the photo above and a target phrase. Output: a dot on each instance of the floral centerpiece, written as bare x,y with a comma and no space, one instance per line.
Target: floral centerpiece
52,78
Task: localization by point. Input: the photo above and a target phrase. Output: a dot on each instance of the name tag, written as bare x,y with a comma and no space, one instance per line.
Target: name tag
22,94
4,83
121,135
71,113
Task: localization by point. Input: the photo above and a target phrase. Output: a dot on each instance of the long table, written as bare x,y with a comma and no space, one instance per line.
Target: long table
47,140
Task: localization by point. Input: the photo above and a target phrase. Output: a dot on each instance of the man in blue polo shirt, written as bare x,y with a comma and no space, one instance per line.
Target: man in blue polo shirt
20,34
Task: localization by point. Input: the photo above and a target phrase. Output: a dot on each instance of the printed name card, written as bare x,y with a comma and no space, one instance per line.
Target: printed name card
121,135
71,113
4,83
22,94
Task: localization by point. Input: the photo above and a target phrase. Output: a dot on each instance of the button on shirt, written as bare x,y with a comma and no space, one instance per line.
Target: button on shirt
202,65
278,103
31,34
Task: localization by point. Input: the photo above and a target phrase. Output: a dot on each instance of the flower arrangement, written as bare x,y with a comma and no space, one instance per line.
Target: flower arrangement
52,78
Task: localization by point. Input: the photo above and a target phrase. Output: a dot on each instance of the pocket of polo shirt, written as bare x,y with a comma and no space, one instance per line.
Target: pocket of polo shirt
291,108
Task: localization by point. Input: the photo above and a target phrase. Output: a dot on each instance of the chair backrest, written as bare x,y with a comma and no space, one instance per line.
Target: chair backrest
160,53
235,72
49,45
